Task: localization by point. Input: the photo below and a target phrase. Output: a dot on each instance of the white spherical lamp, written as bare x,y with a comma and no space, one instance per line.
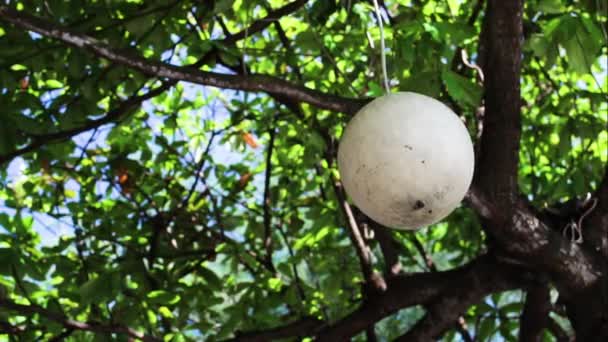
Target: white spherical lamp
406,160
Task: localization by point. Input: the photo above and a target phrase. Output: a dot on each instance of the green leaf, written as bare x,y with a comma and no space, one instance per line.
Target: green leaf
455,33
165,312
53,84
275,284
486,329
461,89
307,41
375,90
426,82
163,297
577,57
551,6
9,257
538,44
8,137
222,6
210,277
99,289
17,67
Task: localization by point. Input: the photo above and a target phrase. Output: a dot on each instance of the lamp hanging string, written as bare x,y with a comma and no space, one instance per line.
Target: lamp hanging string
382,48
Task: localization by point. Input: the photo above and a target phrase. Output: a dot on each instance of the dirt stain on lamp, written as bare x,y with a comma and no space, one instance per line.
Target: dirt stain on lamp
406,160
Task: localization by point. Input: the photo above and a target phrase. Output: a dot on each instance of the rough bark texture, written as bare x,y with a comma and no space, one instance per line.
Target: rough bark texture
498,160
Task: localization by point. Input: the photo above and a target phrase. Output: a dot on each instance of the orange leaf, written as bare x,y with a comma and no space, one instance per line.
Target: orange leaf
122,173
123,178
250,140
244,180
46,166
24,83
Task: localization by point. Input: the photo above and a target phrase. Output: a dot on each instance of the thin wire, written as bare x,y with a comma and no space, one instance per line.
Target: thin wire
382,47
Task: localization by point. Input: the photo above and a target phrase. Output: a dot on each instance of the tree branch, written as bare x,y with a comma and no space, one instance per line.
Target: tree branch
423,254
370,334
7,328
373,281
272,16
528,240
441,315
302,327
437,291
389,247
534,317
557,331
578,272
476,279
119,112
267,200
262,83
30,310
430,264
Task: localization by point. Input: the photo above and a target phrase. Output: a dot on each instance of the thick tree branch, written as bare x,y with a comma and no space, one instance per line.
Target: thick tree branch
535,315
302,327
476,279
430,264
30,310
370,334
260,83
441,315
498,162
533,243
438,291
579,274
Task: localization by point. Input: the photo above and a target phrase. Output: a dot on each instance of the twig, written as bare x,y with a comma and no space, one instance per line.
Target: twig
294,269
388,246
372,280
267,200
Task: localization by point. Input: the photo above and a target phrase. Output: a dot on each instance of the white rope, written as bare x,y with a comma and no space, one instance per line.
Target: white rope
382,47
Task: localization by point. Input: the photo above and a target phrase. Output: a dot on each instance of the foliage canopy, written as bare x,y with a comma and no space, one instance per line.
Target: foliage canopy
168,171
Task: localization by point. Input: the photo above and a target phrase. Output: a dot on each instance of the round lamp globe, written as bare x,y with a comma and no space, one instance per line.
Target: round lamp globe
406,160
